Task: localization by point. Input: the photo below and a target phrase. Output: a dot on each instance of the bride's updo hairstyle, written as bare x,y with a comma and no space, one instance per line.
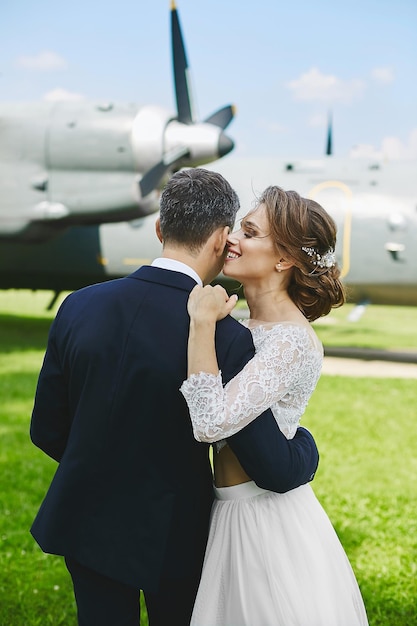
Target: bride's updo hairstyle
304,233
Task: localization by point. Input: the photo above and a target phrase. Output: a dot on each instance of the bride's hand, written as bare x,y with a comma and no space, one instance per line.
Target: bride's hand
210,304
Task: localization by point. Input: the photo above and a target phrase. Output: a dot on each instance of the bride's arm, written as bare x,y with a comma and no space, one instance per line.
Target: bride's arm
218,412
206,305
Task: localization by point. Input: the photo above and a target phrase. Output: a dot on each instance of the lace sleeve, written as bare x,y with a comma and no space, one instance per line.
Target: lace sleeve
217,412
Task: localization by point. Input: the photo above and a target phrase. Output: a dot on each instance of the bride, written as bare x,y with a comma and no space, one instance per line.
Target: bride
271,559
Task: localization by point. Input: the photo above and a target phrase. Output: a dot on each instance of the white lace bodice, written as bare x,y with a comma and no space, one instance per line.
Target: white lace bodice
282,376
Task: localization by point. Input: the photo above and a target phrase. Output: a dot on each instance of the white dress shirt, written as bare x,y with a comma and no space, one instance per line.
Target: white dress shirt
177,266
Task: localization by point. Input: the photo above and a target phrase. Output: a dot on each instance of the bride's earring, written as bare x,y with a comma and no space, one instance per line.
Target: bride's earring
278,266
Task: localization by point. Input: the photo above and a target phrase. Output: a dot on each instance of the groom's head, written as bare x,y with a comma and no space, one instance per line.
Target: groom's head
195,203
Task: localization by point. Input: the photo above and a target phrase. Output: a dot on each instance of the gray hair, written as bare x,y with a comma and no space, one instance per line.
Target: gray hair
194,203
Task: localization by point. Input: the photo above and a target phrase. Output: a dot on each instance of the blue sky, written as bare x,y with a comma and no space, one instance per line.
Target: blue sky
284,65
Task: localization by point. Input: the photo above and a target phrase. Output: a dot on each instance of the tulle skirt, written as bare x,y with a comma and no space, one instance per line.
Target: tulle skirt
275,560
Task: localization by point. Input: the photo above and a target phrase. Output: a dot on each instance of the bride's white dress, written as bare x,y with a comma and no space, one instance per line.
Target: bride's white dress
271,559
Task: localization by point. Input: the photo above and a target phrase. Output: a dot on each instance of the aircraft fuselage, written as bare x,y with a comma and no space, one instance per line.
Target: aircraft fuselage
377,230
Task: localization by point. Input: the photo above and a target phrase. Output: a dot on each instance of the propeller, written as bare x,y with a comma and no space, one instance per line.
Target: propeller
186,130
329,144
153,177
222,117
181,71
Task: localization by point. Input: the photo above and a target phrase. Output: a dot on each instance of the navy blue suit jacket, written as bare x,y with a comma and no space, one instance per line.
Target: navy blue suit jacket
132,493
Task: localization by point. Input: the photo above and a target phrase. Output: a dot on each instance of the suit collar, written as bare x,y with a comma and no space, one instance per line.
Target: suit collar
166,263
164,277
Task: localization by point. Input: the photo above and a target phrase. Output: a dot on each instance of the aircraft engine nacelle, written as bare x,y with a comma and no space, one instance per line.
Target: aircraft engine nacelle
155,133
148,132
205,142
93,168
79,163
68,164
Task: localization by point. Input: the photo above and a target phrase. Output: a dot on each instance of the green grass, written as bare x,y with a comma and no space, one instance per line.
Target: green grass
366,430
380,327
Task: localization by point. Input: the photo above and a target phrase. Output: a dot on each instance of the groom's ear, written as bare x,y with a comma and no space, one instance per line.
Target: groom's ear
221,240
158,230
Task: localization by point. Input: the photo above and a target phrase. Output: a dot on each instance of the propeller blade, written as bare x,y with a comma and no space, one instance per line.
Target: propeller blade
222,117
329,144
179,57
225,146
152,178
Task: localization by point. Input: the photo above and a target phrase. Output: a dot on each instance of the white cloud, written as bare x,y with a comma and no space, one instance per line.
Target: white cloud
383,75
62,94
313,85
44,61
392,148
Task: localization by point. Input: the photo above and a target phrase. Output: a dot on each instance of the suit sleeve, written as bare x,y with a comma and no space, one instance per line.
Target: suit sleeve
50,423
270,459
267,456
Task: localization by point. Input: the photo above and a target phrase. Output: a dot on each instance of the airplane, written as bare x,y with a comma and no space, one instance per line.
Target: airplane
78,235
67,164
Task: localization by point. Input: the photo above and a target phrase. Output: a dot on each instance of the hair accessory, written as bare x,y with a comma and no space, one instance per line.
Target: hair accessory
323,261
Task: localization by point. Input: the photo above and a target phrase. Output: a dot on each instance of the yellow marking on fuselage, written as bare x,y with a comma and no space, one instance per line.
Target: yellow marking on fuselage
347,226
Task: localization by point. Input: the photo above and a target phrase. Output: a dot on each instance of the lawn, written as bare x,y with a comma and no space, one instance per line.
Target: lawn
366,430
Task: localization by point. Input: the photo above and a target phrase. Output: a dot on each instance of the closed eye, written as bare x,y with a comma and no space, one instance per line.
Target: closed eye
248,232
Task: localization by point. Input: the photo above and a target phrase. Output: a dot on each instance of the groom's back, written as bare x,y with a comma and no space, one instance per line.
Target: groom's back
130,460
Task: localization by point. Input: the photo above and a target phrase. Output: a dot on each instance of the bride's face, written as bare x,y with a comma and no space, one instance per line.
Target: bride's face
251,254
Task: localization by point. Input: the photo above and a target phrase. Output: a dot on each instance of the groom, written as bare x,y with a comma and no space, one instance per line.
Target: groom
129,504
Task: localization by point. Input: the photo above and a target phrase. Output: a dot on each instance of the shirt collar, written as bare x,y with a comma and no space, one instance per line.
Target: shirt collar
177,266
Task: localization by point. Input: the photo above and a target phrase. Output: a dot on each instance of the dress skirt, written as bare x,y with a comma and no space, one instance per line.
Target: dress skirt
275,560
